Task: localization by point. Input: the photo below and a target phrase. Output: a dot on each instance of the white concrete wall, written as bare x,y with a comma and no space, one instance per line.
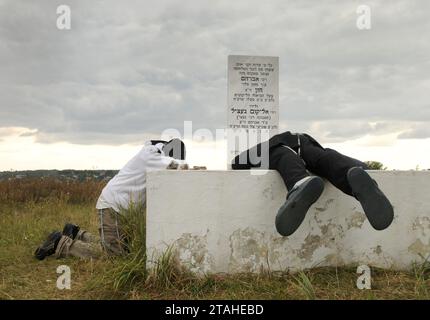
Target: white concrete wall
223,221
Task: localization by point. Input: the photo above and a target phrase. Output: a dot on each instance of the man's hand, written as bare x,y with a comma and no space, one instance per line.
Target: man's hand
176,166
198,168
173,166
183,166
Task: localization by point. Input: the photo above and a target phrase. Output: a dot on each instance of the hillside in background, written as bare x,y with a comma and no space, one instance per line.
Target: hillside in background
75,175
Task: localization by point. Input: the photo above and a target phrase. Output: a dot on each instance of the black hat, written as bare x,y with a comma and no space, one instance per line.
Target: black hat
154,142
175,148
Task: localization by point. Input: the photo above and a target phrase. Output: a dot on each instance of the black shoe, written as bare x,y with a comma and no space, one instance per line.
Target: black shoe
376,205
292,213
71,230
49,246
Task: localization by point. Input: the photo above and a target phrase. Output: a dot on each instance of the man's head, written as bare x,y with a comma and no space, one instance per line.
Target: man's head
175,148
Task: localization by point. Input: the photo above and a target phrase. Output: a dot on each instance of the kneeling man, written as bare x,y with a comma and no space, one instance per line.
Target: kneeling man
126,188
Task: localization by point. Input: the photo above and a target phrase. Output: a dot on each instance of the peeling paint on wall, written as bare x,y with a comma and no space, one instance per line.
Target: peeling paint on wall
249,251
356,220
422,224
325,206
252,250
191,251
419,248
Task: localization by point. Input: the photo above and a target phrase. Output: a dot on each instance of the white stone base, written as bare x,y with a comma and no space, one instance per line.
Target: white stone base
223,221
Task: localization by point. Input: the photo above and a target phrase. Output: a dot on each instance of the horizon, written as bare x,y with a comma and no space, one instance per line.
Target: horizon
199,152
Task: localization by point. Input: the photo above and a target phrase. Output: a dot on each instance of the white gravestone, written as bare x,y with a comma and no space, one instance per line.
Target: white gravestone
253,101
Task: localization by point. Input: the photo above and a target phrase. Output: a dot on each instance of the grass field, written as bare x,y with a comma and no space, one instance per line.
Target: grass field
30,209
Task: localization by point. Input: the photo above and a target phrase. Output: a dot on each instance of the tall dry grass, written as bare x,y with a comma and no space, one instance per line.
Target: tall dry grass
36,190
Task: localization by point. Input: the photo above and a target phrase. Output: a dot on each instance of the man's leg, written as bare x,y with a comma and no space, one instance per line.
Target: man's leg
112,236
328,163
86,236
349,175
303,190
68,247
82,244
289,165
70,242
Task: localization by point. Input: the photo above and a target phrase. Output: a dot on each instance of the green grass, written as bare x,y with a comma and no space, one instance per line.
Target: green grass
304,285
24,226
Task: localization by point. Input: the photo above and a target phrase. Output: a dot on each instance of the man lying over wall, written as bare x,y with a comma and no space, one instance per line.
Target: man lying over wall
294,155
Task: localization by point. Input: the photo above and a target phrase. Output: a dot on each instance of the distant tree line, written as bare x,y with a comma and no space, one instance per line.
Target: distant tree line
375,165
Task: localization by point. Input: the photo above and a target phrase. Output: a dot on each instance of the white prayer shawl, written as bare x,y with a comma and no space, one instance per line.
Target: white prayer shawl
129,185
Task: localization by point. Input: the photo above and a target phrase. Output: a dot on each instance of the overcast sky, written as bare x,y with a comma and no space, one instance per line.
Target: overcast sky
127,70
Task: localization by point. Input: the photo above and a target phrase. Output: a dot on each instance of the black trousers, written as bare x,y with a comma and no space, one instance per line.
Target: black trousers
324,162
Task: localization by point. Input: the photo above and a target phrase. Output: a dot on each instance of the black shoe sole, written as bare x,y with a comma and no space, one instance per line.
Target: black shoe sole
41,253
376,205
48,247
292,213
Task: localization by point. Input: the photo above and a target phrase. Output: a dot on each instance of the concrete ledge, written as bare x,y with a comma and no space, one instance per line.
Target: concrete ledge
223,221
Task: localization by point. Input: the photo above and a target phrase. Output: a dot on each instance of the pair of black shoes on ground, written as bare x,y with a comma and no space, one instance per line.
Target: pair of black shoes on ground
376,206
50,245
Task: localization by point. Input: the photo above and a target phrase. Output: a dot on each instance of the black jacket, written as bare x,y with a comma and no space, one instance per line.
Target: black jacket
287,138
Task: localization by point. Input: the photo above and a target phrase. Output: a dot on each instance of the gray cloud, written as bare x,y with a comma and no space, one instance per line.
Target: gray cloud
132,69
418,131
